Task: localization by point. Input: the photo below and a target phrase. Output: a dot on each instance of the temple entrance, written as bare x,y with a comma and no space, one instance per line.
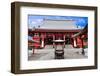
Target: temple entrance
68,40
53,36
49,41
57,36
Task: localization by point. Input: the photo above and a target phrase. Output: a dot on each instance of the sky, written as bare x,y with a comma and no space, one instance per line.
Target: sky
35,20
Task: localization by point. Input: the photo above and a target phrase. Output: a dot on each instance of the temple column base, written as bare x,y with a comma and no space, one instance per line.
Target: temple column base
83,52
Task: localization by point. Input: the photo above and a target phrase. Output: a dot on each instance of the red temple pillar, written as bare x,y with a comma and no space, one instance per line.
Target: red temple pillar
74,42
42,40
82,46
64,39
53,39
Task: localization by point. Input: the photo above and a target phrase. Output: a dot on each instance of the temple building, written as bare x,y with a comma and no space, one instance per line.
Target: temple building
50,30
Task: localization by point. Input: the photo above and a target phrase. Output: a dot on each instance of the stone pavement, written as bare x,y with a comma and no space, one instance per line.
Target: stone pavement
48,53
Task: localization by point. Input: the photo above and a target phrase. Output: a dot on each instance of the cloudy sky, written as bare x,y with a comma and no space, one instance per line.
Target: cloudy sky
36,20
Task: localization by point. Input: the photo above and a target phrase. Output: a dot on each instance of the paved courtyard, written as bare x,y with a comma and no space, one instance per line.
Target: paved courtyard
48,53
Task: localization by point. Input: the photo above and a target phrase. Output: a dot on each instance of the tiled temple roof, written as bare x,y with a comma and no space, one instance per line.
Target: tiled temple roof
58,24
